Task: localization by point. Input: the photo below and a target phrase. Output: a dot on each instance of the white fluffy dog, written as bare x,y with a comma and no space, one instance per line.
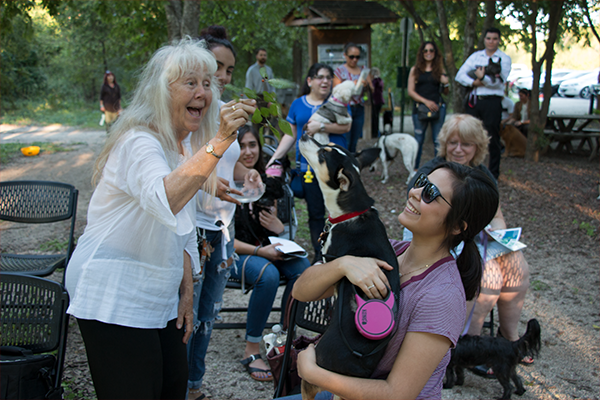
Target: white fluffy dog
335,110
390,145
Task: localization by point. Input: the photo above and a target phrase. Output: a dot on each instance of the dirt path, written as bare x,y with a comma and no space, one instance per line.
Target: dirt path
555,201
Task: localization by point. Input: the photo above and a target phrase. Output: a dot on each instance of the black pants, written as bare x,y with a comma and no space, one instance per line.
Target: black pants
133,363
489,111
375,109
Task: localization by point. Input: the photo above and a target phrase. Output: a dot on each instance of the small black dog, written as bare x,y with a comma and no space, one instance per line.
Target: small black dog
492,70
497,353
247,223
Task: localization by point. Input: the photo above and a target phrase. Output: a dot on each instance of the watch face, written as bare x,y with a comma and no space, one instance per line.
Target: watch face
209,148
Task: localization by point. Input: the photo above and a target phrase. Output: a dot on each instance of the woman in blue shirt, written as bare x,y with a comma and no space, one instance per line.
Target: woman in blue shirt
315,92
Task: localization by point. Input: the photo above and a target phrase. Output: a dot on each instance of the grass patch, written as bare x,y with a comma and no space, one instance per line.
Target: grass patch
42,112
539,285
303,231
8,151
55,245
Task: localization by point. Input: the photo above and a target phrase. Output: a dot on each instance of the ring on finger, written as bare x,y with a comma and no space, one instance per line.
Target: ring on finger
228,191
370,287
233,108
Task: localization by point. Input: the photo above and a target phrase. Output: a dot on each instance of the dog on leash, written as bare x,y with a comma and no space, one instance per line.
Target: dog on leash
344,347
335,110
392,144
497,353
514,141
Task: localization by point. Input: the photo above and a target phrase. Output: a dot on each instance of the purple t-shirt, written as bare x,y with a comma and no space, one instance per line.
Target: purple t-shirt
432,302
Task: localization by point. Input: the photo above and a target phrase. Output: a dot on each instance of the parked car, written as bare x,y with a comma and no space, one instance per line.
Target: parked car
558,75
579,86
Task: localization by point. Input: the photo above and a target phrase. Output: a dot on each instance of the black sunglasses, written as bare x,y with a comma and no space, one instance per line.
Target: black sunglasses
430,191
354,57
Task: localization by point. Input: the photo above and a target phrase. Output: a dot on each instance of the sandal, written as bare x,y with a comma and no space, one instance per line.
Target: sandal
483,371
251,370
527,360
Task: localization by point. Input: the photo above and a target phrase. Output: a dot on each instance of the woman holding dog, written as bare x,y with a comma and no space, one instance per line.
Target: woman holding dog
261,264
130,277
315,92
463,139
351,71
434,286
427,80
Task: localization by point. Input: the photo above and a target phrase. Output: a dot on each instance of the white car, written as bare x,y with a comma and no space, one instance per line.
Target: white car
579,86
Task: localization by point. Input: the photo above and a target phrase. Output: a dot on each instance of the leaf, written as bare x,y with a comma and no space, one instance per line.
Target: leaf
257,117
596,326
285,127
274,109
263,72
261,131
265,112
278,83
235,91
251,94
270,97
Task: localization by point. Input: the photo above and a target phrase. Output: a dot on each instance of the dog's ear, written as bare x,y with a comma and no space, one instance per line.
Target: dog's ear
367,157
343,180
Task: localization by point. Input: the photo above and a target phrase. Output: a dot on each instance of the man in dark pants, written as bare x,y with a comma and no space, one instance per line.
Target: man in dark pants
486,97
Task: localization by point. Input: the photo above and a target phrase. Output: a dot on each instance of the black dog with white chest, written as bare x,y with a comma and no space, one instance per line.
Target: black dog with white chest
497,353
353,228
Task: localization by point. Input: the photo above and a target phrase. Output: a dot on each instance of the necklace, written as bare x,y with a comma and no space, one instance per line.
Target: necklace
414,270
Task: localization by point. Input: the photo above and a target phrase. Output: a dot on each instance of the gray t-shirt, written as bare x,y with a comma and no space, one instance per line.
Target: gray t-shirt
254,79
432,302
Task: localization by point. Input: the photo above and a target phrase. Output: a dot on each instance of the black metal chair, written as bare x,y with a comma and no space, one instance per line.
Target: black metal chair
37,202
313,316
33,317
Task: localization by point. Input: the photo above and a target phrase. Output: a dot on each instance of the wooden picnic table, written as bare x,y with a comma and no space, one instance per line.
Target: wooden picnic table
566,127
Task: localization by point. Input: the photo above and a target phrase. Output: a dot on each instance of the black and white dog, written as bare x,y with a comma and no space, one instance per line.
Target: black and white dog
351,219
497,353
390,145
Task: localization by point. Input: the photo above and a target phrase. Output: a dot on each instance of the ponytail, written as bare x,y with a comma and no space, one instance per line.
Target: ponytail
475,201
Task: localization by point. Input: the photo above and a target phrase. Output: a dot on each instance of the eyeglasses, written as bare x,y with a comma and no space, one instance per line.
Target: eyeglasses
322,77
354,57
428,51
430,191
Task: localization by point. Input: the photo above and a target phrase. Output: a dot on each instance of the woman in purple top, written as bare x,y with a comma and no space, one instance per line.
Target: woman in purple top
376,86
435,287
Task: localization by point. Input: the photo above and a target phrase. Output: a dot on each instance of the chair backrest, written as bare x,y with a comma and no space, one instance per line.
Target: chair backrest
32,312
38,202
315,315
286,211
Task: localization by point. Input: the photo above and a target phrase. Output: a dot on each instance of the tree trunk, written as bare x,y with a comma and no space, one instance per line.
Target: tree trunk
183,17
488,22
297,68
538,116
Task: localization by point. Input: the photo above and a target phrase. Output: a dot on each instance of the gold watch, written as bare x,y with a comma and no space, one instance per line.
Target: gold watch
211,150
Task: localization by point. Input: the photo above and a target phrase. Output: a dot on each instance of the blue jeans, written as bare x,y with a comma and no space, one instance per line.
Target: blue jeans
264,291
324,395
421,129
315,205
208,299
356,130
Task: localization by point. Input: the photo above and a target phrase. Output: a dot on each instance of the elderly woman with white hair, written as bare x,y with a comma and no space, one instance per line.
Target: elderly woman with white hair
130,277
464,140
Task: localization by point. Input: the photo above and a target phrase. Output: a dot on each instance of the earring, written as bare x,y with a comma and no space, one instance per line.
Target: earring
310,85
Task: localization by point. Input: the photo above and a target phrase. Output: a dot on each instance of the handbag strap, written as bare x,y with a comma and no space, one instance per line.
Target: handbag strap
244,275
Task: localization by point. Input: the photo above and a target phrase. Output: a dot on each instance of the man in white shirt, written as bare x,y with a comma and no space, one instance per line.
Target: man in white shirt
254,79
485,101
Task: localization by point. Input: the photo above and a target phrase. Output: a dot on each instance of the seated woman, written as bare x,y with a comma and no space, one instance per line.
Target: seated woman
520,114
435,286
505,281
261,264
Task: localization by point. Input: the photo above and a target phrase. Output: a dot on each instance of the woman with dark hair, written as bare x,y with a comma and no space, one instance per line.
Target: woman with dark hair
315,91
215,226
450,205
425,82
350,71
110,99
464,140
261,264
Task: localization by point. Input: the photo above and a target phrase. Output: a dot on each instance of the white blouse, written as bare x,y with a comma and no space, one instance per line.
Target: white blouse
128,264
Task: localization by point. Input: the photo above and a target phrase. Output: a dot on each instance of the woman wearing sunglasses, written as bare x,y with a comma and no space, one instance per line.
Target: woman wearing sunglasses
351,71
427,80
434,285
505,280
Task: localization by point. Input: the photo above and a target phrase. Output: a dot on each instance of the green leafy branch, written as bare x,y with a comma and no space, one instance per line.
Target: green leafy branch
268,109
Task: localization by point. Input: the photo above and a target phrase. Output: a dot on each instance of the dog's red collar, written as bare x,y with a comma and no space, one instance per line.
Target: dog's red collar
346,217
338,100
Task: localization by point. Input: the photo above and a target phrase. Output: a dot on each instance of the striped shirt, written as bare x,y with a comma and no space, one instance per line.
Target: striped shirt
432,302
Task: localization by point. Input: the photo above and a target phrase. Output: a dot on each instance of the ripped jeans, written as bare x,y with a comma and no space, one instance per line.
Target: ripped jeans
208,299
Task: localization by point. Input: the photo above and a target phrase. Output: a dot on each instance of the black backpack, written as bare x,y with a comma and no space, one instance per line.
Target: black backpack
24,375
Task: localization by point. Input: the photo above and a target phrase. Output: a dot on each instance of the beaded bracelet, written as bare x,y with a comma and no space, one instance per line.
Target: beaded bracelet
256,249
